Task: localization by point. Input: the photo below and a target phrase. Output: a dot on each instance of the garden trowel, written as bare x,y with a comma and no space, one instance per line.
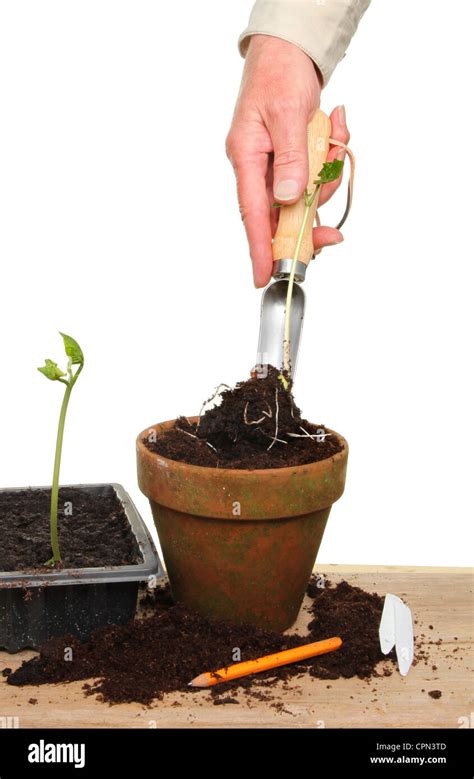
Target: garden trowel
272,336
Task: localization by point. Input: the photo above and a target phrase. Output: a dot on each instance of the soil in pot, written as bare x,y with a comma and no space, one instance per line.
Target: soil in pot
256,425
93,530
163,651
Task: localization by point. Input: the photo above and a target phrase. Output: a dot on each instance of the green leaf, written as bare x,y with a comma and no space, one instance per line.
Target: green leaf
73,350
51,370
330,171
276,205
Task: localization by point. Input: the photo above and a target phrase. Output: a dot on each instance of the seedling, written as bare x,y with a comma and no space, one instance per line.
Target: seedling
68,378
329,172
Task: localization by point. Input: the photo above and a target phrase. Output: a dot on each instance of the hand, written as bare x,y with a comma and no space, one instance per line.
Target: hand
267,143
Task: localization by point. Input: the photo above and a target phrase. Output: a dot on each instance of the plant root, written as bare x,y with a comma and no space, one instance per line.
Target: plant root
277,410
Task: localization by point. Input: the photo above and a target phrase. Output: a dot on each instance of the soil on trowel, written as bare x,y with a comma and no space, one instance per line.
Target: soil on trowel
170,645
256,425
93,529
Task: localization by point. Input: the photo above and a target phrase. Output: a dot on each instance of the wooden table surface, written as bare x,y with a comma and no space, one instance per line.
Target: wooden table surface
441,597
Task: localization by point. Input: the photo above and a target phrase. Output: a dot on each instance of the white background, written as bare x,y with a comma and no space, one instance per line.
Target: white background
119,225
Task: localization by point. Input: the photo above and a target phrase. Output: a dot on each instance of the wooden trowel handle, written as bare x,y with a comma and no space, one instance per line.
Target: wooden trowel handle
291,217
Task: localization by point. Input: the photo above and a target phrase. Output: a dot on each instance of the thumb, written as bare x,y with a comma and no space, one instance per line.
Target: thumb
290,162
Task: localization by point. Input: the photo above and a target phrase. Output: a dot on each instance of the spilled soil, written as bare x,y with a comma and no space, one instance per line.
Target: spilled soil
256,425
93,529
170,645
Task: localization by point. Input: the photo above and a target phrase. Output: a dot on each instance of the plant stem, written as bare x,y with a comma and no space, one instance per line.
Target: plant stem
56,558
289,294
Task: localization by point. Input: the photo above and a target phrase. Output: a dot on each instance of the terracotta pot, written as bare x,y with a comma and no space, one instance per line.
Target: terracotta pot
240,545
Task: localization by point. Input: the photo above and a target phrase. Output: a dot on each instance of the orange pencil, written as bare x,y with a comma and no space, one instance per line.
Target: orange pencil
266,662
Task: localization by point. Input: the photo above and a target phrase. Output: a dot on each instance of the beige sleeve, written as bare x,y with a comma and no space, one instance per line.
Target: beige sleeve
322,28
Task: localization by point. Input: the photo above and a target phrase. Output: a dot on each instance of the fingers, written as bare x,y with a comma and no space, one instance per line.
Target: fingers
250,170
288,131
339,129
326,236
339,132
274,212
255,211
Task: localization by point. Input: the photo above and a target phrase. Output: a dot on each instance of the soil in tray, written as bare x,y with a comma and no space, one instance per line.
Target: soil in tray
96,533
256,425
171,645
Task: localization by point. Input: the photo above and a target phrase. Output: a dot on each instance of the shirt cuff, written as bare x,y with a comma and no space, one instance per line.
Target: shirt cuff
323,30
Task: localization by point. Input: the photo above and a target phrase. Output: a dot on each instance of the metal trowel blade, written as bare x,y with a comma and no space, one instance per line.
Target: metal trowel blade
272,324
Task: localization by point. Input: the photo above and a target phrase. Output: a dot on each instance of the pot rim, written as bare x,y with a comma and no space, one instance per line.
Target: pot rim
181,465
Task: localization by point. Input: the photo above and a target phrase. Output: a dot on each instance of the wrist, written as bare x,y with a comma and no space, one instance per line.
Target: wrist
271,46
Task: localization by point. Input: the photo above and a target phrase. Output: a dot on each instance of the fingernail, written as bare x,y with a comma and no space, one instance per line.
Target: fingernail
341,113
336,241
341,153
287,189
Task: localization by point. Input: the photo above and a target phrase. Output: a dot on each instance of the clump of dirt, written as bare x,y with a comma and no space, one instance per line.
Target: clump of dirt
354,615
93,529
256,425
163,651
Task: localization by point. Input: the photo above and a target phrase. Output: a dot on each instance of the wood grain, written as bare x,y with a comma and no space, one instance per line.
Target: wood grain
441,597
291,217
